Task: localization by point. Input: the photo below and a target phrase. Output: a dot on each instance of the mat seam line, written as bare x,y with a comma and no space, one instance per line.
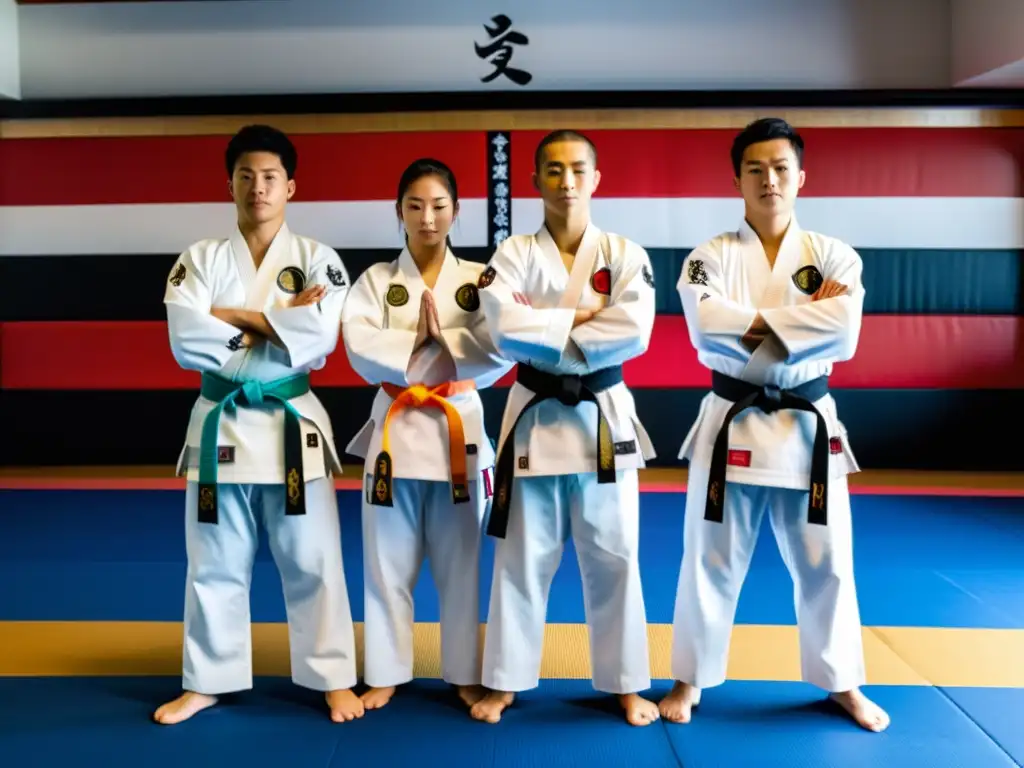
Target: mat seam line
330,757
671,744
976,724
942,692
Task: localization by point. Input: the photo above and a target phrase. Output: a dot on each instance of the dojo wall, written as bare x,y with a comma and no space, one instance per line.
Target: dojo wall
91,224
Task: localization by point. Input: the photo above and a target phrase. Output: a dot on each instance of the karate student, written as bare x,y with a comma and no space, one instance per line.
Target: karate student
254,313
414,327
770,308
570,304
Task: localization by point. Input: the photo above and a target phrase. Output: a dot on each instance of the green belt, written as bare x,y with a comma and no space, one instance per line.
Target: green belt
229,395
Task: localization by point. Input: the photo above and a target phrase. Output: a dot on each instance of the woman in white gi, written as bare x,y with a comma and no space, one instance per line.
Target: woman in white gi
414,327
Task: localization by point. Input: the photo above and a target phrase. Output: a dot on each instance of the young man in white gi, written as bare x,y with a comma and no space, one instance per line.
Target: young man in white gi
770,308
570,304
254,314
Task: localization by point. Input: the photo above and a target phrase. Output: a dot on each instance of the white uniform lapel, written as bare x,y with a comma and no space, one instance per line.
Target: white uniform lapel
790,252
258,283
786,263
404,293
582,265
452,292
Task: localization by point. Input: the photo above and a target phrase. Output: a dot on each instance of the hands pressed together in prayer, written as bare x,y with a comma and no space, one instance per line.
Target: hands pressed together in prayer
759,330
429,328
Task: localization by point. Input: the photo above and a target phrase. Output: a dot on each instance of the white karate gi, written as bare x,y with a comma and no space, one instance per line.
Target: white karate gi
555,491
379,325
252,486
723,285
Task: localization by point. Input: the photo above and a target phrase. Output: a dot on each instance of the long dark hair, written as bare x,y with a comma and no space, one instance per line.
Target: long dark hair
427,166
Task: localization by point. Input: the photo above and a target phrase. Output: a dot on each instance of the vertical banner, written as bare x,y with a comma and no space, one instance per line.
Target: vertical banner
499,189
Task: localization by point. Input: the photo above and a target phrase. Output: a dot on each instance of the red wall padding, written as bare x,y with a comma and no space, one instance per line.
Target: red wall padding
843,162
922,351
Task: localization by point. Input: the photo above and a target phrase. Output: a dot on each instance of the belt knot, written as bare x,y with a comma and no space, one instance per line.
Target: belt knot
252,391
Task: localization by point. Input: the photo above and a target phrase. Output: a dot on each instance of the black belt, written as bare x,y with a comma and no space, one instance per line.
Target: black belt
571,391
770,399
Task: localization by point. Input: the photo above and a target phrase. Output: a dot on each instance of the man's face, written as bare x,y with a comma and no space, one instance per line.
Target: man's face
567,177
260,187
770,177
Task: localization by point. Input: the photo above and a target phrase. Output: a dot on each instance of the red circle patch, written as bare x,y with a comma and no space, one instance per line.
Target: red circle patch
601,282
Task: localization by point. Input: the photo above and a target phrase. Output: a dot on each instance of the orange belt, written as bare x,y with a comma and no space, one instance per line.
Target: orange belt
420,396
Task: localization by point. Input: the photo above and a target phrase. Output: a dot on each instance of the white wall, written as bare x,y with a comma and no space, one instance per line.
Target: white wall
277,46
988,39
10,79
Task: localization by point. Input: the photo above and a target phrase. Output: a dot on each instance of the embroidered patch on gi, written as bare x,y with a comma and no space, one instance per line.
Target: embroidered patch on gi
808,279
471,449
178,275
312,440
648,275
601,281
468,297
524,462
235,342
397,295
335,275
225,454
291,280
625,447
835,445
486,277
739,459
696,273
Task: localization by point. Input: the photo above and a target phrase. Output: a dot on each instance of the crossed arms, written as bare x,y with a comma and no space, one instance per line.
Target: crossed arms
204,337
825,329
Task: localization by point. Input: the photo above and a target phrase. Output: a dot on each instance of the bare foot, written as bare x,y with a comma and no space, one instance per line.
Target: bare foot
344,705
865,712
375,698
183,707
639,711
678,705
471,694
490,707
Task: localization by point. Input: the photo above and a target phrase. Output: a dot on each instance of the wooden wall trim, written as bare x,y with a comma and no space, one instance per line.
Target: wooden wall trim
512,120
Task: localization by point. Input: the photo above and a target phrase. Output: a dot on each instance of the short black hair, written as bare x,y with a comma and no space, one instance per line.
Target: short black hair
765,129
261,138
563,134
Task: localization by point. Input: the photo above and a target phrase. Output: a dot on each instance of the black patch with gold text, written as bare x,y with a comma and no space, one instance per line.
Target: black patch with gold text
178,275
312,440
382,491
291,280
696,273
468,297
335,275
625,447
648,275
397,295
808,279
486,277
